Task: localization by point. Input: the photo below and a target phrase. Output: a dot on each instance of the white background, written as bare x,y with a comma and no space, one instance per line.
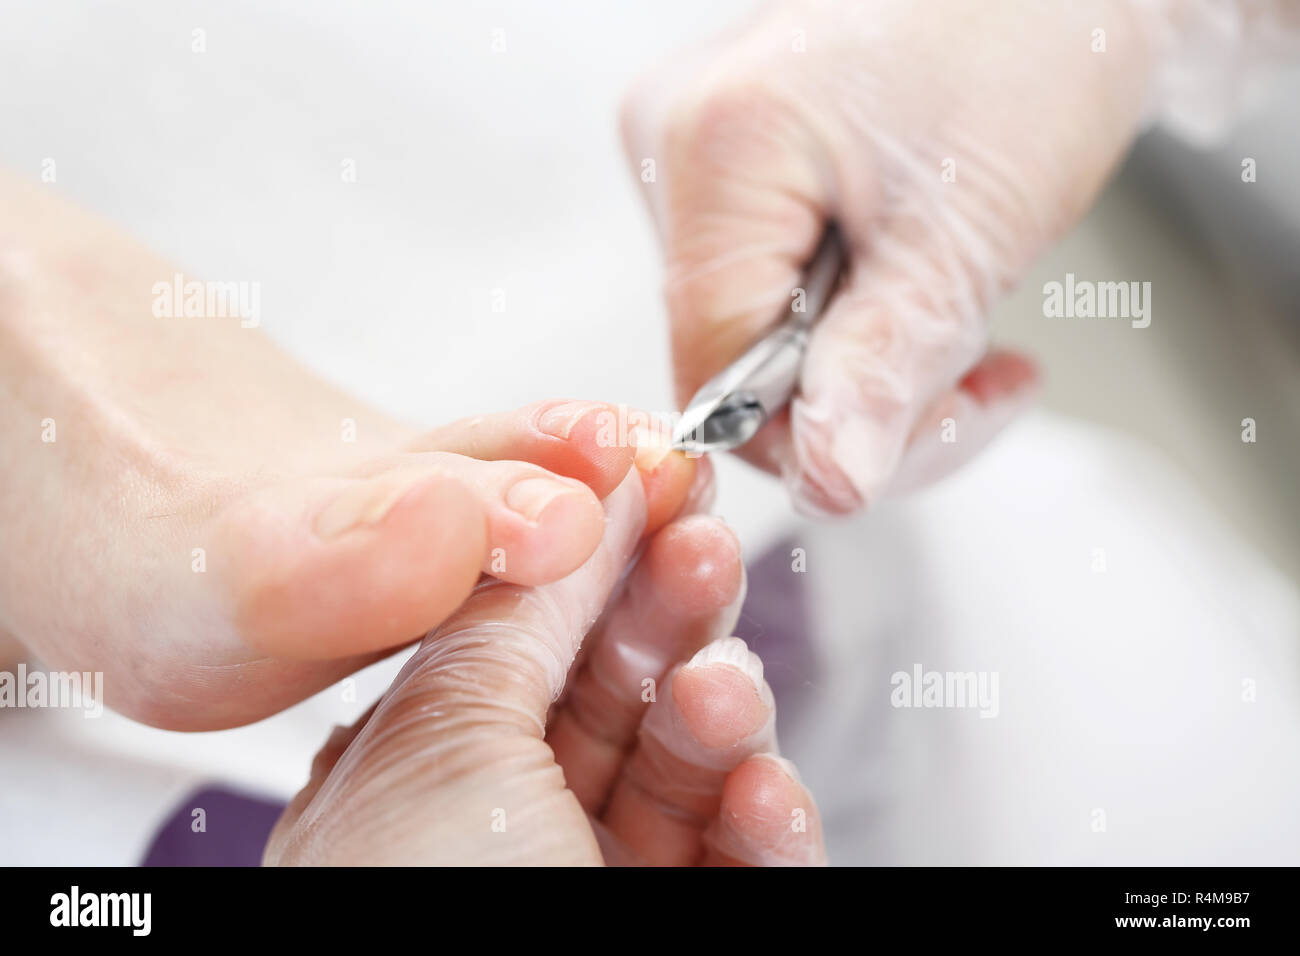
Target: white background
479,171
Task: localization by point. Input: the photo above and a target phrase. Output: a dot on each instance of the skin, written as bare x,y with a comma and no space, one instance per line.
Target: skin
194,445
199,531
470,759
322,555
318,555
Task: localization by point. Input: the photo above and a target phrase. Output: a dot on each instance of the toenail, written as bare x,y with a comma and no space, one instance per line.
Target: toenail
531,496
652,447
360,505
558,422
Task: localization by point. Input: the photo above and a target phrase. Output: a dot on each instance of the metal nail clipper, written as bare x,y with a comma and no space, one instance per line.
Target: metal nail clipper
733,405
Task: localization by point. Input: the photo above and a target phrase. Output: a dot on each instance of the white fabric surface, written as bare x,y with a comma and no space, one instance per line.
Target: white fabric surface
1119,691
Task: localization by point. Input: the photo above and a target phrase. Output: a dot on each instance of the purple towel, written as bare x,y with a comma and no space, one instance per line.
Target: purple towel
776,625
236,827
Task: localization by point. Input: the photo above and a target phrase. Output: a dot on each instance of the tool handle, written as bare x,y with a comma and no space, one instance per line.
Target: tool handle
772,364
731,407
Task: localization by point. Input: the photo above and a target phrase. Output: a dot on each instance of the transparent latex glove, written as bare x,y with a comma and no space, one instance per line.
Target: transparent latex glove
951,141
475,756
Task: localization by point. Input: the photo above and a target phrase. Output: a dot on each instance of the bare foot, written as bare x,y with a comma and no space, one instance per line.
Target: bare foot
219,531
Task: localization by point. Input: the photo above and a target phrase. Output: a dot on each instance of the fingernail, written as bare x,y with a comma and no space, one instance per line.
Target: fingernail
558,422
733,651
730,701
530,496
789,768
362,505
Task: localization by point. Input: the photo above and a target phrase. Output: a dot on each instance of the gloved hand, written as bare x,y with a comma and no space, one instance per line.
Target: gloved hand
951,141
474,757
